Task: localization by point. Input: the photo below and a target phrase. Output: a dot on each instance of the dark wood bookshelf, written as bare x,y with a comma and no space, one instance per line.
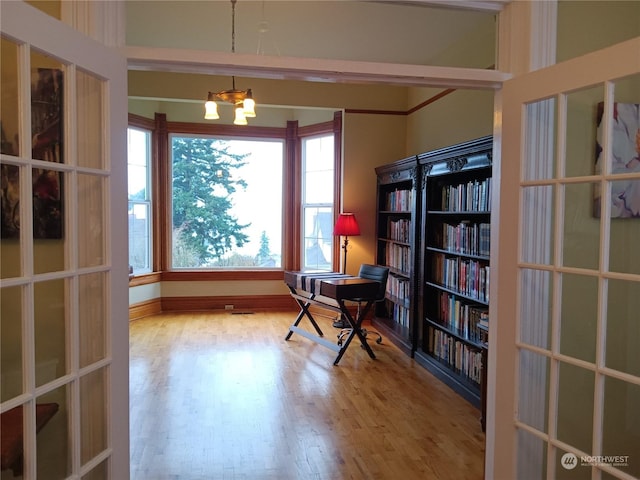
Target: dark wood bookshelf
396,219
455,266
433,220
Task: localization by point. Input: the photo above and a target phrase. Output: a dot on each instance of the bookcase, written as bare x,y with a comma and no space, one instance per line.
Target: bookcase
397,214
455,265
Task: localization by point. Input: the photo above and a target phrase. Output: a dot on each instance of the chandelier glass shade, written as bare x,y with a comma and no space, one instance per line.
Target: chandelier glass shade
244,105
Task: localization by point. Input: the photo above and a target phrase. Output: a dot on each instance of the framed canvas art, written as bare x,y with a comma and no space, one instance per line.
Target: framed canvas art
625,158
47,141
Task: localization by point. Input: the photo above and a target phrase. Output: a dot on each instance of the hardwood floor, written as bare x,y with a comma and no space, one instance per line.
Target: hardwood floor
220,396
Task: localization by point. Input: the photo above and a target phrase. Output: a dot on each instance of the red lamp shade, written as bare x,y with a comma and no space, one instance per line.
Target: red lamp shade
346,225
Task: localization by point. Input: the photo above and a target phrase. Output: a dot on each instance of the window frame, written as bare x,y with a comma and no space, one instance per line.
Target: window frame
142,123
292,135
335,127
223,138
305,204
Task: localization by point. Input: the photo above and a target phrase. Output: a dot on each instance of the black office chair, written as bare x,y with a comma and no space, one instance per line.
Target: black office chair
370,272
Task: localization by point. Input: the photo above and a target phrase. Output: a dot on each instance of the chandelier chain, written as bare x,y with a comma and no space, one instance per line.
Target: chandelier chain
233,26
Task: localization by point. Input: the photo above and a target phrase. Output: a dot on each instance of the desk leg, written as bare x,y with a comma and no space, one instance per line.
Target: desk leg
356,326
304,311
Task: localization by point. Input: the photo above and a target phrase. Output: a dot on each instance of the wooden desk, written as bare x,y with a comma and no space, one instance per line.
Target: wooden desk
306,287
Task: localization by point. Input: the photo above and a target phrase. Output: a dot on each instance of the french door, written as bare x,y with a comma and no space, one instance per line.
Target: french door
565,390
63,287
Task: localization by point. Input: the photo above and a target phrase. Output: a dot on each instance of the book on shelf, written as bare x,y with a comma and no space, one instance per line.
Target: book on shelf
462,318
399,200
398,257
399,230
464,359
467,276
465,238
472,196
398,313
398,287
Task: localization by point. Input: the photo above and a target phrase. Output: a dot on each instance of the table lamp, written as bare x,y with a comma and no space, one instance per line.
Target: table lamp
346,226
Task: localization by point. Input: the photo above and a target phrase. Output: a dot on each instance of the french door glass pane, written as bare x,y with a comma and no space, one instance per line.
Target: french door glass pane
10,342
90,116
48,220
539,155
9,116
54,440
582,111
568,466
92,309
91,213
47,127
93,424
581,240
536,287
532,456
624,256
623,327
579,312
626,193
575,406
537,224
10,259
622,423
50,330
98,473
533,390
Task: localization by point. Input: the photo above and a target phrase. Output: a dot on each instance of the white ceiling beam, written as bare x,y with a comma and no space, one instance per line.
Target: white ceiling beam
310,69
477,5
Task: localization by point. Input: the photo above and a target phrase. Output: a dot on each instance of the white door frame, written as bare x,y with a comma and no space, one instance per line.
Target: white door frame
596,68
31,29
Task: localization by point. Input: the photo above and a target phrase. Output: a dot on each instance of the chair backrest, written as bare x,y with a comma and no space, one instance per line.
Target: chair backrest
377,273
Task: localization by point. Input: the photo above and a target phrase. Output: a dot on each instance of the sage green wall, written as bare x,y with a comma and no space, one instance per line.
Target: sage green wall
462,114
369,141
457,117
589,25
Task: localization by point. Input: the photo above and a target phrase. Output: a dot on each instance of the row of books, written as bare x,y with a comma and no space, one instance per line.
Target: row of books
399,200
398,287
398,257
462,318
399,230
466,276
467,238
399,314
465,360
473,196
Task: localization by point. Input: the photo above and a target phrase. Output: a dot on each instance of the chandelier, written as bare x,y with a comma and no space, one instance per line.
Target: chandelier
241,99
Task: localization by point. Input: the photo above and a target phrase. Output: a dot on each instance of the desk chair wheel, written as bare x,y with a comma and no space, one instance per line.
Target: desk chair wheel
346,331
365,332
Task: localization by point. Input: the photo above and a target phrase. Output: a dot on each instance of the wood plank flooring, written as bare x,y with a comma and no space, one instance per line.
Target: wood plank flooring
222,396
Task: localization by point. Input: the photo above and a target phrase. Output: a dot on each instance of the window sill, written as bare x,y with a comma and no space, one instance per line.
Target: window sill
144,279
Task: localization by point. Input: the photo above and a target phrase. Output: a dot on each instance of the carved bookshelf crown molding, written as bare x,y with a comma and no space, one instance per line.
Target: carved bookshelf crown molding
456,164
426,171
414,176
